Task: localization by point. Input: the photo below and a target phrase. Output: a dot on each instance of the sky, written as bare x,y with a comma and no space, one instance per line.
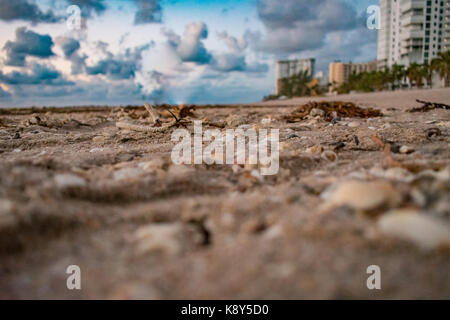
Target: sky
121,52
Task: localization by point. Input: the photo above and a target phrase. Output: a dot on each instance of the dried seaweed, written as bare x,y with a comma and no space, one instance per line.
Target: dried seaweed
332,110
186,111
428,106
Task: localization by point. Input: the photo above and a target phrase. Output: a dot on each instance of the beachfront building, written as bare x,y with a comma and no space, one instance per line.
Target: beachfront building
412,31
446,38
340,71
289,68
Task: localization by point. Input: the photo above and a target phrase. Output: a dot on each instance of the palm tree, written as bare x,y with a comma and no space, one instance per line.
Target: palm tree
428,72
381,78
416,73
398,74
297,85
442,65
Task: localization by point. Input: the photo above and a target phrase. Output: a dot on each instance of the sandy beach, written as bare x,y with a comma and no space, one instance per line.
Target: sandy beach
75,189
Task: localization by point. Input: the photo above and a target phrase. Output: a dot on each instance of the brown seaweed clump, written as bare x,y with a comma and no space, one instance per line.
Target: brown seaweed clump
332,110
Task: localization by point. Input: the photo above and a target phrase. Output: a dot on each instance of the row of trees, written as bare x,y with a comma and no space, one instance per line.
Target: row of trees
395,77
298,85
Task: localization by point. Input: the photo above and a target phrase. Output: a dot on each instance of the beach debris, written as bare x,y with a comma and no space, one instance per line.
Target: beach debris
158,126
166,238
356,140
362,195
162,237
332,110
7,217
233,120
427,106
143,128
3,125
186,111
394,147
266,121
353,124
412,167
433,132
339,145
335,119
395,174
406,149
67,180
153,115
329,156
420,228
48,122
314,150
127,173
317,112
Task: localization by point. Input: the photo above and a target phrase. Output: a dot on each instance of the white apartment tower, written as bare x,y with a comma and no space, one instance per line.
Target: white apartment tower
412,31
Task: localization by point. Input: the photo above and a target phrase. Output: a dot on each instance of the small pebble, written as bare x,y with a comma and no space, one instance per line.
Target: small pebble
166,238
266,121
419,228
314,150
7,218
98,139
127,173
161,237
316,112
354,124
67,180
406,149
329,156
360,195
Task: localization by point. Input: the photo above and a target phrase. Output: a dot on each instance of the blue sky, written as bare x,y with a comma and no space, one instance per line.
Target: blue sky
176,51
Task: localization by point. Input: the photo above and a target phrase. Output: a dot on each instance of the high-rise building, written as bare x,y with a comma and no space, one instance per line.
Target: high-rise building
412,31
446,30
289,68
340,71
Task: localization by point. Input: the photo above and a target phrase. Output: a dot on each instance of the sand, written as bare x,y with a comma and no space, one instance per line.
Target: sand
76,190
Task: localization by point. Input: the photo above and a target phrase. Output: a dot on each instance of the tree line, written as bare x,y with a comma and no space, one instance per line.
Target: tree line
396,76
302,84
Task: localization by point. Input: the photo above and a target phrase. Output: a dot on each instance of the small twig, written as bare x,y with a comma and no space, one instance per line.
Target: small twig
153,114
141,128
176,119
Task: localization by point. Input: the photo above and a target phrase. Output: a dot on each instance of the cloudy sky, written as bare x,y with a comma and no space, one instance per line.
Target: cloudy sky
175,51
